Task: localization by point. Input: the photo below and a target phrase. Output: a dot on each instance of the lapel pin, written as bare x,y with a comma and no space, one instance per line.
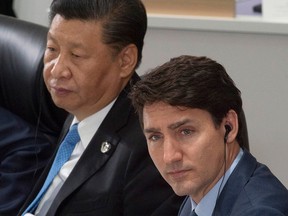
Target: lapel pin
105,147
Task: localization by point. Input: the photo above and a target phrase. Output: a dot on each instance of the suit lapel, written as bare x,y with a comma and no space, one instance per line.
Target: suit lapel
235,184
93,159
186,207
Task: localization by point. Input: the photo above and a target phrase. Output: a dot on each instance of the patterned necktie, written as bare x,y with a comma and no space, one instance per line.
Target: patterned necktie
63,154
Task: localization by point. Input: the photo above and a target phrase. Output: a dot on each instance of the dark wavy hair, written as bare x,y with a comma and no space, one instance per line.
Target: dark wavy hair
193,82
123,21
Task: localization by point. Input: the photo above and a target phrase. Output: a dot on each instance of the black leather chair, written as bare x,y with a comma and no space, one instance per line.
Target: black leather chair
22,89
23,93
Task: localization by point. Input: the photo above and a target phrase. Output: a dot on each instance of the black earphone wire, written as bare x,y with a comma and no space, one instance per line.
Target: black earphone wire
224,172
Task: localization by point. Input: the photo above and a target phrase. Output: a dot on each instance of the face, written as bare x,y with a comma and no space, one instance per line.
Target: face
80,72
185,146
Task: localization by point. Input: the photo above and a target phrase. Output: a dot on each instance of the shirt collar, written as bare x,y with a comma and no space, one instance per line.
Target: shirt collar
208,202
88,126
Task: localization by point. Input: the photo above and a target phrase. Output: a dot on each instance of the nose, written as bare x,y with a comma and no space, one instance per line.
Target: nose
59,67
172,151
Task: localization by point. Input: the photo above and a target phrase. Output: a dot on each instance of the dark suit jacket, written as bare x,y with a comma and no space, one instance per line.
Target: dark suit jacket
23,155
250,190
122,181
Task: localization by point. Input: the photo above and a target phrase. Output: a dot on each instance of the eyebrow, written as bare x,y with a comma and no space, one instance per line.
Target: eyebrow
172,126
73,45
179,124
151,130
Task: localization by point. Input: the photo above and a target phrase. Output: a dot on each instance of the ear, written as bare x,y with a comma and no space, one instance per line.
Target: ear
231,119
128,59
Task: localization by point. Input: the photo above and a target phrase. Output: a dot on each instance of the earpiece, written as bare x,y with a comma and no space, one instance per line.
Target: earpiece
228,129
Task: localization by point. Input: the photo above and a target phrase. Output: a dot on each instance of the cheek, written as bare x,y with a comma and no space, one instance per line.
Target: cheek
46,74
206,149
211,157
48,65
89,86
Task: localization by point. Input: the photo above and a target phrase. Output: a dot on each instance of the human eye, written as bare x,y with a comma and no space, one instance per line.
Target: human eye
50,52
75,55
50,48
153,138
78,53
186,132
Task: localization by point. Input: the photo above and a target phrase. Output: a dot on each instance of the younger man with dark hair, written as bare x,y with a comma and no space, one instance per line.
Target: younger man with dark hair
189,109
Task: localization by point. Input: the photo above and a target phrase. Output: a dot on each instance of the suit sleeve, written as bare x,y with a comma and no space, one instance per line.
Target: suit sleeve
23,154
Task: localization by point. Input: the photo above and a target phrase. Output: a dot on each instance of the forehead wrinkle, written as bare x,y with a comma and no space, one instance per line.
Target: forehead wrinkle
172,126
178,124
71,45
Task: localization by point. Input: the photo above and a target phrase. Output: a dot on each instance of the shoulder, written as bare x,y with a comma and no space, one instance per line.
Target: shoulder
265,190
13,129
252,187
262,192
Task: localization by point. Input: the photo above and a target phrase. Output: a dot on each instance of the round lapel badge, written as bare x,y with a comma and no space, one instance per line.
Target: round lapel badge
105,147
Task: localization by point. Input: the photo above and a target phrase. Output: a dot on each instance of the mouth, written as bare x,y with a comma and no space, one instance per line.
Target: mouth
59,91
178,175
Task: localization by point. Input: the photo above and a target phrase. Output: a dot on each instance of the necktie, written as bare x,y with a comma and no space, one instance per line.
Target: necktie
63,154
193,213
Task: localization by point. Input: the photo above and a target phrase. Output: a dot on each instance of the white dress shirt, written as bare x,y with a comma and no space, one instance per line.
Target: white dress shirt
86,128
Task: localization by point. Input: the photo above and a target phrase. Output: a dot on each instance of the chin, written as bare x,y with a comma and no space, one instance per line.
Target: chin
180,189
59,103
